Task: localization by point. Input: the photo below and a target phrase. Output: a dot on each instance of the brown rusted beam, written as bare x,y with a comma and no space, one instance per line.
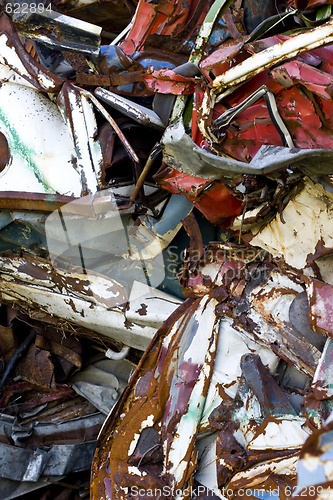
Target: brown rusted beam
41,202
110,80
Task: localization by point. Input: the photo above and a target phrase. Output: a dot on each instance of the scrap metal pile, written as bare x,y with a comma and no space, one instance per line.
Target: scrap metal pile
166,249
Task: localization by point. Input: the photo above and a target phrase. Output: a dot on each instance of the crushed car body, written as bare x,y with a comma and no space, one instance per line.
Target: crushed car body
166,249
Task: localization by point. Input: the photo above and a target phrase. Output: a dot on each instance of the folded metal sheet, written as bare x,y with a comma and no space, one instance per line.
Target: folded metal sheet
67,458
29,464
57,460
14,57
180,152
40,158
103,382
135,111
78,114
58,31
87,301
171,432
288,235
66,432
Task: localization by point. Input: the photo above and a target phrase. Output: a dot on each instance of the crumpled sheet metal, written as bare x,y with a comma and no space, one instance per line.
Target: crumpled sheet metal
16,58
103,382
245,148
29,464
180,16
269,313
184,155
283,85
267,301
158,375
297,44
238,376
41,172
89,302
44,458
252,138
243,402
242,399
288,235
65,459
58,461
315,465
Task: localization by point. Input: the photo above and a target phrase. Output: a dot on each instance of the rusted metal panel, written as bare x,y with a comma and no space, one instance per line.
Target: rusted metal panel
14,56
20,200
174,421
44,157
236,377
89,301
57,30
290,48
137,112
288,234
320,300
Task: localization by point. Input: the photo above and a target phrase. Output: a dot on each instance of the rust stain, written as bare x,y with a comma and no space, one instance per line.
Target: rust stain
143,310
4,152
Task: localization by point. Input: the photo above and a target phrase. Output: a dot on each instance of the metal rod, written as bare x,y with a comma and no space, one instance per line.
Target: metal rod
16,356
113,124
154,153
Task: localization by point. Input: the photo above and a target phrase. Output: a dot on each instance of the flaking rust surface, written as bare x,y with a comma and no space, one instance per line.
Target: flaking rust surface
155,393
308,220
193,410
